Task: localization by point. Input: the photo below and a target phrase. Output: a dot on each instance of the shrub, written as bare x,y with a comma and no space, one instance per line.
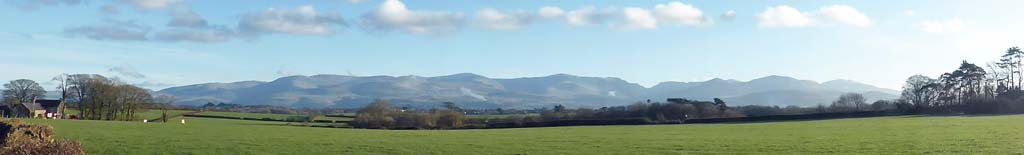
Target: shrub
380,115
18,139
448,119
377,115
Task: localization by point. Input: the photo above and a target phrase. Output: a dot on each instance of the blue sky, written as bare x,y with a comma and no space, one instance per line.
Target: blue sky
162,43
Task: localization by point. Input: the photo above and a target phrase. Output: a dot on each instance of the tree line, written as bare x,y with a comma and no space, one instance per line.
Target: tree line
673,110
971,89
95,96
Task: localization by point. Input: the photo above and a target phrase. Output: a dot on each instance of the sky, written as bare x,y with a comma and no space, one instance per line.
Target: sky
158,44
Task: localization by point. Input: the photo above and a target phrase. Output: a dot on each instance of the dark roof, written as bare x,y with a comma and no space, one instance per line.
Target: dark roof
48,103
33,106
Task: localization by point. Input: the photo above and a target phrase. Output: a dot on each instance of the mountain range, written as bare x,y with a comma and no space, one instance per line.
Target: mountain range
475,91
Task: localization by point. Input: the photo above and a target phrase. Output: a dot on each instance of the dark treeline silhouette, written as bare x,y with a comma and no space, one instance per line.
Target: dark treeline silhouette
381,115
970,89
674,110
679,110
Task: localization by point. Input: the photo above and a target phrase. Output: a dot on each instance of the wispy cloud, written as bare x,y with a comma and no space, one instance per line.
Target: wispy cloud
184,16
150,4
304,20
728,16
942,26
127,71
111,30
493,19
31,5
588,15
786,16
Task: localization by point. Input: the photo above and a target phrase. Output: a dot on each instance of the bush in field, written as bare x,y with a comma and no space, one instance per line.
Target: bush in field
377,115
19,139
447,119
381,115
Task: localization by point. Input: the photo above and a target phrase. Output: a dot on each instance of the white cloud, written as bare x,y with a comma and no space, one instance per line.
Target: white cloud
942,26
109,9
843,14
728,15
638,18
785,16
150,4
151,84
201,35
550,12
111,30
496,20
304,20
392,15
908,13
285,72
587,16
183,16
679,14
782,16
31,5
126,70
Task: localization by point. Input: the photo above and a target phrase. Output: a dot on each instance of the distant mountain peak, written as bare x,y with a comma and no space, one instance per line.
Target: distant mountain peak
774,78
840,81
478,91
462,76
562,75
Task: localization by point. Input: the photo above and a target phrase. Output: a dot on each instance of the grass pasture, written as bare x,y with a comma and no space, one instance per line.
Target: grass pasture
156,114
884,135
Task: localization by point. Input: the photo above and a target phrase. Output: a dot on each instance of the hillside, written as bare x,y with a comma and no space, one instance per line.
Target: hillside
476,91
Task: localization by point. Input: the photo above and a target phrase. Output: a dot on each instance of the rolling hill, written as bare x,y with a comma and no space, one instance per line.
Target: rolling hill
475,91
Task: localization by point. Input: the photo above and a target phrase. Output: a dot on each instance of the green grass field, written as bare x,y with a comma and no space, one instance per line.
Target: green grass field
155,114
886,135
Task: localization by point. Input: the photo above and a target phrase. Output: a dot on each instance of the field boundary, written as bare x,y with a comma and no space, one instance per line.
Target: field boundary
256,119
645,121
173,116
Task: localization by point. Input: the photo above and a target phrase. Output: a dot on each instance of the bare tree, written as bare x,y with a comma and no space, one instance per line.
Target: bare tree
164,102
62,86
919,90
850,102
22,91
100,98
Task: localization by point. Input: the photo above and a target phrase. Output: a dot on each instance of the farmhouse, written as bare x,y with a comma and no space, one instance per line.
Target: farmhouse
33,110
52,108
36,109
5,111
